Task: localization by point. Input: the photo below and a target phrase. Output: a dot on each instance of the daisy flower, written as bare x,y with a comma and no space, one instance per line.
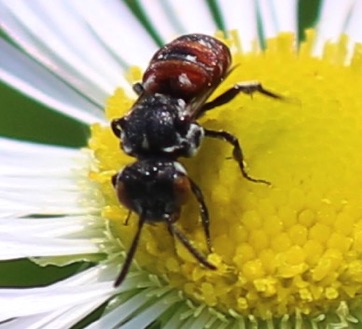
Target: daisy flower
288,255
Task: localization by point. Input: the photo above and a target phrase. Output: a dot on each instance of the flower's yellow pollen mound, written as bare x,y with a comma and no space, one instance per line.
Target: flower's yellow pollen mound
294,247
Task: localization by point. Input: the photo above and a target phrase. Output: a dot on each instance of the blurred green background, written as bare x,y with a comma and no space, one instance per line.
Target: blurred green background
23,118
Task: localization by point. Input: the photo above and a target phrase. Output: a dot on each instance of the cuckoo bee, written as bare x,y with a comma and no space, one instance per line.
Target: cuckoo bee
162,126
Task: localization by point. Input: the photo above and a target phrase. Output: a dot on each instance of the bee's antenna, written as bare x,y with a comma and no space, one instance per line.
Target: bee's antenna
131,252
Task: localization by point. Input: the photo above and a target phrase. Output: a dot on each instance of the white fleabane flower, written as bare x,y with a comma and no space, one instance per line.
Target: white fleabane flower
287,256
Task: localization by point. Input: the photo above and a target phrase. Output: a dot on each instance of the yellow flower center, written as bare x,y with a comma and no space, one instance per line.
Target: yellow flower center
292,247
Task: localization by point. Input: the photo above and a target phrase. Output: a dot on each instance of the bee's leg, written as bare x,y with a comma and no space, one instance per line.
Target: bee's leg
138,88
130,254
204,213
237,152
127,218
188,245
248,88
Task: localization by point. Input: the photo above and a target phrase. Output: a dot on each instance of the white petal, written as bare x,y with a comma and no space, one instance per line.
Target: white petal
194,16
277,17
65,318
71,227
70,28
15,247
354,27
151,313
241,16
332,21
73,52
138,311
67,301
118,29
30,78
158,14
38,179
55,166
173,17
32,237
26,24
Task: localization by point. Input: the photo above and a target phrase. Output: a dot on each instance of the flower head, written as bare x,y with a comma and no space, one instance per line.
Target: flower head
284,249
288,254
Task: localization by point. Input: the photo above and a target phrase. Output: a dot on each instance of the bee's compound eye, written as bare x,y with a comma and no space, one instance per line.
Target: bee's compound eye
181,188
117,126
114,180
121,191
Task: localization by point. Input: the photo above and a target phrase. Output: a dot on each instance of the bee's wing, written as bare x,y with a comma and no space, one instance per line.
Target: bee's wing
195,108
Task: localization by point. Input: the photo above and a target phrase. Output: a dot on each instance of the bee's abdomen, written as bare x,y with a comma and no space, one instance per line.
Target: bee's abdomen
187,67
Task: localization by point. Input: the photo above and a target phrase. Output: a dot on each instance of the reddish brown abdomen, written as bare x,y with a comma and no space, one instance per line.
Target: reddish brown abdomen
187,67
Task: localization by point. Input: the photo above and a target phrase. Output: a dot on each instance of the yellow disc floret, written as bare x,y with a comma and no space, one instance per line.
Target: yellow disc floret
294,247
